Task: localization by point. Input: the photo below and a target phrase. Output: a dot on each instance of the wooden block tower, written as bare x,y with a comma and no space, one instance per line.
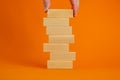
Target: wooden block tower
60,36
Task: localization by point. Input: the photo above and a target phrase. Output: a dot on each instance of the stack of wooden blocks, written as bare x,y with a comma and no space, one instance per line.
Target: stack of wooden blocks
60,36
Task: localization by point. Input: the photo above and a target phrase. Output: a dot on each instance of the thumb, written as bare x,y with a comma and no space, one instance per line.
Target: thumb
46,5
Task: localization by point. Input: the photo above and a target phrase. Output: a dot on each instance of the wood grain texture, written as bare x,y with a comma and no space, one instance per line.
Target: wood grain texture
56,22
70,56
61,39
59,30
48,47
59,64
60,13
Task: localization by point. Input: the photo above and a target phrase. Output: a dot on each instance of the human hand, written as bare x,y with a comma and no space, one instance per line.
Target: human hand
74,3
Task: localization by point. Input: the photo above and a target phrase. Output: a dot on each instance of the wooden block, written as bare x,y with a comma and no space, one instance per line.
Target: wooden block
57,47
56,21
61,38
69,56
62,13
59,64
59,30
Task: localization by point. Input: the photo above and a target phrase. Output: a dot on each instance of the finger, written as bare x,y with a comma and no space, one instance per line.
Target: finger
75,10
46,5
75,6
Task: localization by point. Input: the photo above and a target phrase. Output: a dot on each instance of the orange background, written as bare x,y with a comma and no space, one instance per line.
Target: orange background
97,40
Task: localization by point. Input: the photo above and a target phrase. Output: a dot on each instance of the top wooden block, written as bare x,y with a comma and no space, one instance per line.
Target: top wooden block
60,13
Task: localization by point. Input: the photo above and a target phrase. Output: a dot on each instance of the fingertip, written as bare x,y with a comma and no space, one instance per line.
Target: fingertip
74,13
75,6
46,5
45,10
